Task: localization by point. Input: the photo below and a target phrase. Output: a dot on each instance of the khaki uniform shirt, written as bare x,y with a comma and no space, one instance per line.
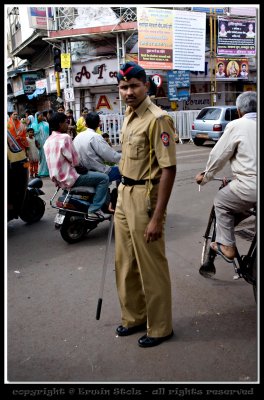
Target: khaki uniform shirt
135,139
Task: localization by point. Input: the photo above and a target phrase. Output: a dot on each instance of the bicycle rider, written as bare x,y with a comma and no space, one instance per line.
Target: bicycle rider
238,146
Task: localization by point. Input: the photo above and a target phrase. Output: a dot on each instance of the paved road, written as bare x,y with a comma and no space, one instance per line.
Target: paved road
52,293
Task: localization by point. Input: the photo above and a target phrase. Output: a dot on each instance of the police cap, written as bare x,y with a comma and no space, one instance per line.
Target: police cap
131,70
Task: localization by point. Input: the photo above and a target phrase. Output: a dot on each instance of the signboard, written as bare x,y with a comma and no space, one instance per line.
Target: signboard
157,79
29,81
52,81
69,95
65,60
17,85
229,68
39,17
171,39
95,73
42,84
189,29
155,38
209,10
236,37
178,85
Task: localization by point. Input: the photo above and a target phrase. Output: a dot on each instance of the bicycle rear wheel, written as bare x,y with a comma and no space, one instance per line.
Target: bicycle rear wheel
207,268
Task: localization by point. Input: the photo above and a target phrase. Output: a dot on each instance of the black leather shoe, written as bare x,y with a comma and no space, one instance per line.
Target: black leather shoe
147,341
122,331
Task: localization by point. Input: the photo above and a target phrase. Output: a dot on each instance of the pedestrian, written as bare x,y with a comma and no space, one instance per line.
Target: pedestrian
71,123
148,169
61,108
81,124
18,130
29,118
94,151
107,138
50,112
62,158
238,146
41,130
32,153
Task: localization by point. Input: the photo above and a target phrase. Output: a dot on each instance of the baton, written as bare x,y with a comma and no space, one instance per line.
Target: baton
100,300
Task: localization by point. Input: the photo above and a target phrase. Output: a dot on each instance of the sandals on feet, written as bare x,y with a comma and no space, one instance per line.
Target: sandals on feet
219,251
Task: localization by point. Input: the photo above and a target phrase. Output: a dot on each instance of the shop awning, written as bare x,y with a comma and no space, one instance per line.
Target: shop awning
36,93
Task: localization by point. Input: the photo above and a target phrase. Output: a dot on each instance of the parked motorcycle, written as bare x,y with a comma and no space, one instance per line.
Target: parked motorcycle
72,219
23,196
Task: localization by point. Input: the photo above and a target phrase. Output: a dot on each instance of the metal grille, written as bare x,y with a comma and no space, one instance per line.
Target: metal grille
65,16
127,14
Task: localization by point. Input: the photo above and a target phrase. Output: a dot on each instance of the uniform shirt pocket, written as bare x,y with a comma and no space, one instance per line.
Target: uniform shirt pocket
136,148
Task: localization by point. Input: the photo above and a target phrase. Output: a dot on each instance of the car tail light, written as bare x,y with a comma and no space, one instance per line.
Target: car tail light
192,125
217,127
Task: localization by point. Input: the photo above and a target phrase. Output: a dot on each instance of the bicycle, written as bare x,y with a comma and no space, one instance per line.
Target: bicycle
245,266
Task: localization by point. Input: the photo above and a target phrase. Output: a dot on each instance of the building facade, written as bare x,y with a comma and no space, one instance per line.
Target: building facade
95,41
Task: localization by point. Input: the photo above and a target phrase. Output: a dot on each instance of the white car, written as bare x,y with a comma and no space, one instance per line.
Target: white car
211,122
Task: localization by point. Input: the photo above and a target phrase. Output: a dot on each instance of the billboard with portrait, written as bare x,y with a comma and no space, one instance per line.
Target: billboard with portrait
236,37
231,68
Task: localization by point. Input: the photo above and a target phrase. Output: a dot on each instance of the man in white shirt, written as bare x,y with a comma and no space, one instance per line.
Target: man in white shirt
238,146
94,151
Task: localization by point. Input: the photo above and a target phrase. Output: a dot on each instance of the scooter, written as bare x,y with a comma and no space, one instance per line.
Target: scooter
22,196
72,218
29,207
33,207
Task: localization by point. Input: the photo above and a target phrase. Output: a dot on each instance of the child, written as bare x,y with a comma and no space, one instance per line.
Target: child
32,153
106,138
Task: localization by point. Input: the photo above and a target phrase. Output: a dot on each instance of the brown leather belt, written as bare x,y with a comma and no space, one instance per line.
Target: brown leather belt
131,182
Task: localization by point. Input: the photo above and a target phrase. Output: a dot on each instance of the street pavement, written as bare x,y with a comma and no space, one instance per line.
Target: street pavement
52,291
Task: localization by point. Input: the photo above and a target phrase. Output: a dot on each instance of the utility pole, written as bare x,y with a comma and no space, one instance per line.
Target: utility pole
120,60
57,68
57,76
212,56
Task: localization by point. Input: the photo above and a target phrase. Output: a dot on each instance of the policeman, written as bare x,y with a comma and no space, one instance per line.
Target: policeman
148,169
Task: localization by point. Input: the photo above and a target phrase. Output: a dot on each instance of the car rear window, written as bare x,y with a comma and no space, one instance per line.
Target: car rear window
231,113
209,113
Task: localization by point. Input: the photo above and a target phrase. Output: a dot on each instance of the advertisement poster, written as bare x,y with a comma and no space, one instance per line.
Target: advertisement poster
228,68
171,39
236,37
155,38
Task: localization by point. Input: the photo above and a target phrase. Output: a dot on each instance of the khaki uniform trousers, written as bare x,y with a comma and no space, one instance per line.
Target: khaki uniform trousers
142,273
